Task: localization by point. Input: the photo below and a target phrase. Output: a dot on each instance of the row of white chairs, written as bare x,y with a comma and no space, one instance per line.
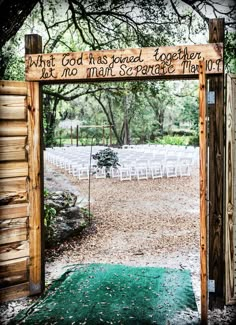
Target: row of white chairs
76,161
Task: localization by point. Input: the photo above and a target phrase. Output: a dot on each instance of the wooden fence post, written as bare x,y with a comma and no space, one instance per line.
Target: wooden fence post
216,172
60,136
71,135
33,45
77,135
203,191
110,136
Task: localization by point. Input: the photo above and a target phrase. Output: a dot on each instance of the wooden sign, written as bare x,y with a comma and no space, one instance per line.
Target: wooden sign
139,63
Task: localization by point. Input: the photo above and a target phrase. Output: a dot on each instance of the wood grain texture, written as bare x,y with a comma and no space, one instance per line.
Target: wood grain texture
14,211
229,193
13,272
14,292
13,128
12,107
33,44
14,250
136,63
13,148
14,206
35,173
12,234
13,223
13,87
203,192
216,174
13,169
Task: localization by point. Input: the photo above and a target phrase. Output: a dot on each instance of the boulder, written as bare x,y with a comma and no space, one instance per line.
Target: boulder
63,218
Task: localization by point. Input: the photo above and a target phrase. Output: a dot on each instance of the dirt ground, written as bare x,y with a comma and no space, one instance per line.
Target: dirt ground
140,223
146,222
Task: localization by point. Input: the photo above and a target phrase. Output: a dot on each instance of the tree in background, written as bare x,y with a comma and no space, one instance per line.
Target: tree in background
74,25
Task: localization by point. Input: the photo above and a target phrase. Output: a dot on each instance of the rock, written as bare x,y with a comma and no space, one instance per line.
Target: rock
69,219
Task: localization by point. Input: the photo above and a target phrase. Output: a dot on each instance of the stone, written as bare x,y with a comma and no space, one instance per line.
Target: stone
69,219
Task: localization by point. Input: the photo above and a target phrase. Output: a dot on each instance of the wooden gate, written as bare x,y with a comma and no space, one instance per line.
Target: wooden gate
230,213
20,191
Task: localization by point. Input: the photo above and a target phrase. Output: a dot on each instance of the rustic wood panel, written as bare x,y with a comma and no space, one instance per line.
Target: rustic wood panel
13,128
13,87
13,148
14,292
13,169
216,172
13,272
229,195
14,250
203,192
13,223
14,211
12,107
169,61
14,205
12,235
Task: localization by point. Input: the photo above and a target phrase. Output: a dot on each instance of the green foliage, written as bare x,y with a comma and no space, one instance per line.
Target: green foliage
49,215
177,140
230,52
86,213
106,158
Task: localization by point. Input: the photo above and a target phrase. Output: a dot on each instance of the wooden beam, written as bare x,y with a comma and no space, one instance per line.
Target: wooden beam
216,172
13,87
13,272
230,249
13,169
12,235
13,107
203,192
13,128
14,211
124,64
14,292
14,250
33,44
13,190
13,148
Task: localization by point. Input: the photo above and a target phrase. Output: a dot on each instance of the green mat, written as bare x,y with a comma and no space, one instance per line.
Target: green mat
116,294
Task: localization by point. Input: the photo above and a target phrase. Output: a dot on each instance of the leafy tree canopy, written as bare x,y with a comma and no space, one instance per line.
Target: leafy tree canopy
75,25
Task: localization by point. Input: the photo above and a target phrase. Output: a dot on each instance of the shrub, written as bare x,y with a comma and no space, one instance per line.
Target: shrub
106,158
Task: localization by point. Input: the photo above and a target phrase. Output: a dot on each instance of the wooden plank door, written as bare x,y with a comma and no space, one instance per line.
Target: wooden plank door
230,193
20,192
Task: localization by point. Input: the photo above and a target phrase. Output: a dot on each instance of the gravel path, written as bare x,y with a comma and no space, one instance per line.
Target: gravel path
148,222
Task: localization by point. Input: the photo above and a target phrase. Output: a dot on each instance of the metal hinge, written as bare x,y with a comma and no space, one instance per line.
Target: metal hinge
211,97
211,285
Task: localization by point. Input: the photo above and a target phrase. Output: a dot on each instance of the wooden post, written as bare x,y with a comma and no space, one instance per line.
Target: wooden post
103,134
60,136
33,45
71,135
110,136
77,135
216,172
229,230
203,191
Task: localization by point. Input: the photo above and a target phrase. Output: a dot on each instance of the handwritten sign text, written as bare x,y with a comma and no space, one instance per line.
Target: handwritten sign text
140,63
